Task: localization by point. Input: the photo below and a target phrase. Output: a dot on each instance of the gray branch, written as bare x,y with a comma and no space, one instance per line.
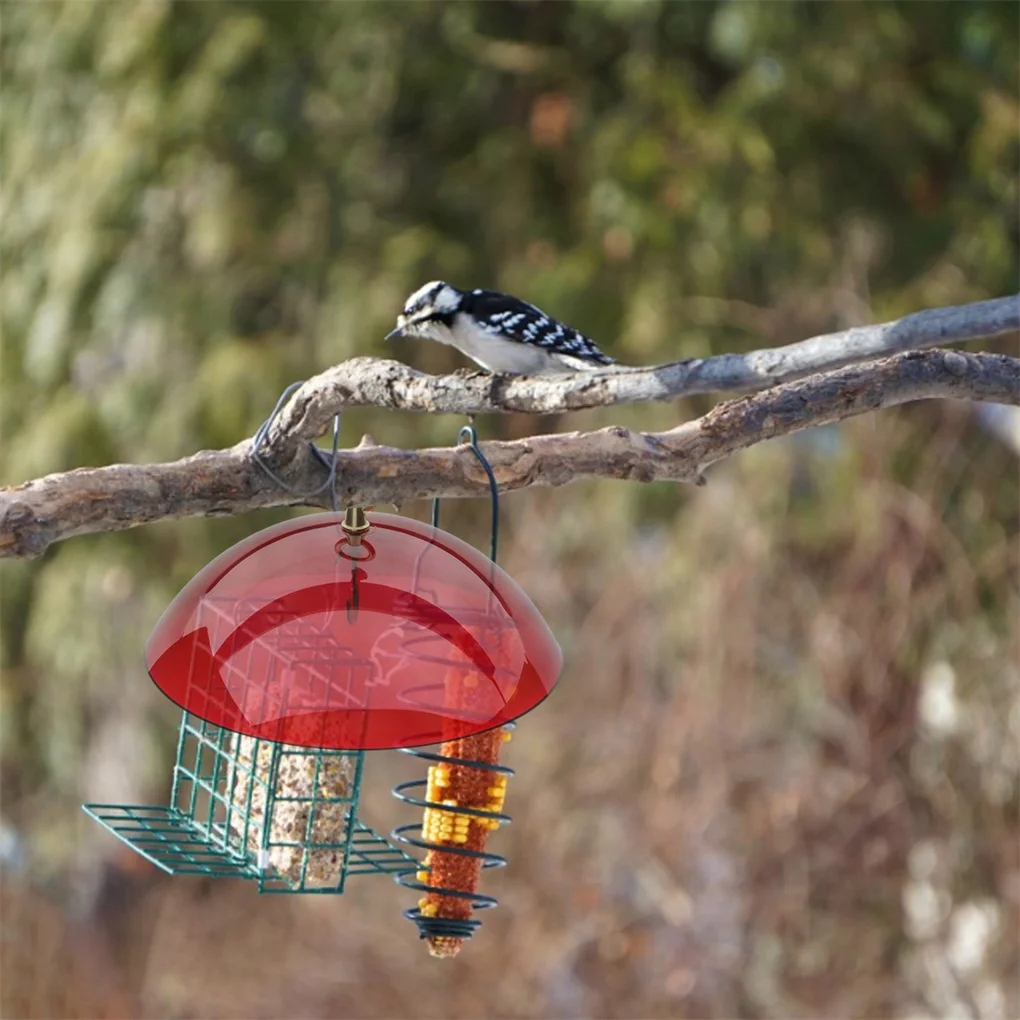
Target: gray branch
363,382
38,513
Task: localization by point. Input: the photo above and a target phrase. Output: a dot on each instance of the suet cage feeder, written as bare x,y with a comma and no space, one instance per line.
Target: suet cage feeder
283,816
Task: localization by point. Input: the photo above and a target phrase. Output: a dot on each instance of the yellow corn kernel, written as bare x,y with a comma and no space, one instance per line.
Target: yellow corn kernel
450,803
444,947
422,876
459,837
427,909
506,736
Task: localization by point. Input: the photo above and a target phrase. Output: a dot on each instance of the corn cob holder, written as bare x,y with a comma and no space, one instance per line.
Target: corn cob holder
464,793
465,790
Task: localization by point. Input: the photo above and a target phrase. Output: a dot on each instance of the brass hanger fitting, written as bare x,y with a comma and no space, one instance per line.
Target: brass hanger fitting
355,523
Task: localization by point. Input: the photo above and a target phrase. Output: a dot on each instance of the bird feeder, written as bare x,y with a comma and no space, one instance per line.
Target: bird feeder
302,647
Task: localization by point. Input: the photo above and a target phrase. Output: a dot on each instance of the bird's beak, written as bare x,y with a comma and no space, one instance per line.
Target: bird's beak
401,323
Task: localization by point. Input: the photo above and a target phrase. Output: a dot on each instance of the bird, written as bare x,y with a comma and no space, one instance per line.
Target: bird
501,333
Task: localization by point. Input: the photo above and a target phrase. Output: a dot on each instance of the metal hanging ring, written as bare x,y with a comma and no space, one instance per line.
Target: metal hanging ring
365,550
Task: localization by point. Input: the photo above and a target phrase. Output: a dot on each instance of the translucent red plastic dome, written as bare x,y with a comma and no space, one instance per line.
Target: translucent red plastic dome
296,635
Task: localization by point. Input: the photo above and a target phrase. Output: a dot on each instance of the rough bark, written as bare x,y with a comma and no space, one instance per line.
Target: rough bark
47,510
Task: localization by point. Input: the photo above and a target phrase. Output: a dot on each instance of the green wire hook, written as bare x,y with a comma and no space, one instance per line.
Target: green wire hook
472,435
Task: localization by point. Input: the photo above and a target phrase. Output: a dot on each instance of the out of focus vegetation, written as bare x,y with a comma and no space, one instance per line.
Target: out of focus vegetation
780,777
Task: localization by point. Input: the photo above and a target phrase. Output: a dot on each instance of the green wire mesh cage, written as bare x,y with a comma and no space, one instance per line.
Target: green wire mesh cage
242,807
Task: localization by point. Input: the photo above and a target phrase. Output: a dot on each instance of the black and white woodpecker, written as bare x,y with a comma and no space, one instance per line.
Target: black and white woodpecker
498,332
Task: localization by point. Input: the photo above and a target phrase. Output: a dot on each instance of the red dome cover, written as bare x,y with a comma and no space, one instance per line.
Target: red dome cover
298,636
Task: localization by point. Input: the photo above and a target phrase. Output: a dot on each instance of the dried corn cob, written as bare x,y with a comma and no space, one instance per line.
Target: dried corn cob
456,787
459,786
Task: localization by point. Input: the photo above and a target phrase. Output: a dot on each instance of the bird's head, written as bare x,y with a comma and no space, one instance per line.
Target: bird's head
428,312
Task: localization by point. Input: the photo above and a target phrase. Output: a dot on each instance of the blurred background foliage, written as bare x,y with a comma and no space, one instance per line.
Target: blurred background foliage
780,777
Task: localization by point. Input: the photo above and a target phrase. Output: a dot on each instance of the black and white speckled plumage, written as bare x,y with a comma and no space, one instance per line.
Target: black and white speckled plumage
499,332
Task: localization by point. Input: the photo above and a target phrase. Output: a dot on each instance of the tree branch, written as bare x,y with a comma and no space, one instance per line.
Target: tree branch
362,382
87,500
